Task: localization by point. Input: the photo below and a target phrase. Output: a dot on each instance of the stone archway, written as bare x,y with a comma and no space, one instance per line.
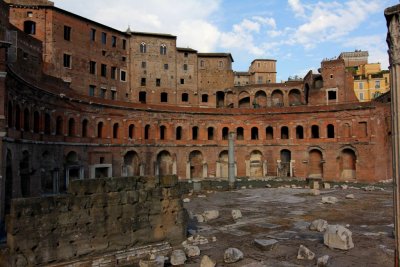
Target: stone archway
196,164
347,164
315,164
131,165
164,163
223,164
256,164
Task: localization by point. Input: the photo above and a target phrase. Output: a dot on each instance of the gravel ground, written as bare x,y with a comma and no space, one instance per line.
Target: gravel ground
284,214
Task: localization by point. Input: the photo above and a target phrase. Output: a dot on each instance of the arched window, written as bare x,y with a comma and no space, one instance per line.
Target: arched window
100,129
59,126
10,114
47,123
147,132
162,132
254,133
195,133
143,47
36,122
225,133
115,130
299,132
210,133
178,133
85,123
314,131
269,133
284,132
163,49
330,129
30,27
71,127
17,117
26,119
240,133
131,131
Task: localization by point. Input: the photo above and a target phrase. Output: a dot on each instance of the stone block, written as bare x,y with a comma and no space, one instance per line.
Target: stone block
232,255
337,236
265,244
168,181
305,254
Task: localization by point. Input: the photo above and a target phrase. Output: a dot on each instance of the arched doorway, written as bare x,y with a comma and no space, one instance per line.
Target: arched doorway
315,164
223,164
256,164
284,166
347,164
196,164
131,164
164,163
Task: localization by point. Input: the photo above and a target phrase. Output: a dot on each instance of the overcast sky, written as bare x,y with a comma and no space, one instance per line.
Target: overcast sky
297,33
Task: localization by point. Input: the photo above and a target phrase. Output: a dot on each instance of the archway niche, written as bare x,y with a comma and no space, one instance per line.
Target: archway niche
196,164
315,164
277,98
223,164
164,163
220,99
347,164
131,164
260,99
284,164
294,97
256,164
244,100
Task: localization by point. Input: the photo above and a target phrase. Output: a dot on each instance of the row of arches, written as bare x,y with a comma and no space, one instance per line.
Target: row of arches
275,98
42,122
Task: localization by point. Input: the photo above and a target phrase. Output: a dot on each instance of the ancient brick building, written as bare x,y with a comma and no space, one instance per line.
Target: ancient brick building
81,100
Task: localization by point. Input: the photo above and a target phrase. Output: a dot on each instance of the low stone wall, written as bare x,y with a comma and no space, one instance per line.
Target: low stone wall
96,217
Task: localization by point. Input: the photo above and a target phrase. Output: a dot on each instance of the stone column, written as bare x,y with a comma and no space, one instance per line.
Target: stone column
231,160
392,15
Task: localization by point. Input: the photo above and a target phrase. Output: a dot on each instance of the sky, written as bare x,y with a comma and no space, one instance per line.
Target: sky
299,34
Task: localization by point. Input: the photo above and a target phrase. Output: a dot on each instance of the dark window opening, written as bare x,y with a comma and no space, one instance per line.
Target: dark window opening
100,130
123,76
142,97
165,66
103,92
85,124
30,27
330,131
92,90
143,64
104,38
220,99
158,82
185,54
103,70
269,133
123,44
164,97
92,67
240,133
113,41
162,132
36,123
284,132
195,133
182,81
113,94
67,61
71,127
143,48
143,81
146,132
314,131
47,122
185,66
67,33
178,133
131,131
254,133
113,73
210,133
225,133
185,97
93,34
331,95
204,98
115,130
163,49
59,126
299,132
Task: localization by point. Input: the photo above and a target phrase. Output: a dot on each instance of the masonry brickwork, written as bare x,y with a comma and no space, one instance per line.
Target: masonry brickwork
168,111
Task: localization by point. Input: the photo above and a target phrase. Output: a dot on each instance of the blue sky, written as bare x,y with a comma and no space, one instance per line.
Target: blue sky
297,33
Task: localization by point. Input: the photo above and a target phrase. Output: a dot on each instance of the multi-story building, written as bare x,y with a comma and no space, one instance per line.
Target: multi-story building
370,81
261,71
172,111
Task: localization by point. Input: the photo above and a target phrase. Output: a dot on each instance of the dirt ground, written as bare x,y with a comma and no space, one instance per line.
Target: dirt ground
284,214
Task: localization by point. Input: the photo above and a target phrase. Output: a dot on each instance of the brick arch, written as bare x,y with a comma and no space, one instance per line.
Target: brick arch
260,99
165,162
277,98
315,162
244,99
223,163
131,163
196,162
294,96
347,160
256,159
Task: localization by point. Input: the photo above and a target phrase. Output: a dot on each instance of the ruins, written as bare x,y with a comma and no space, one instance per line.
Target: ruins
82,102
